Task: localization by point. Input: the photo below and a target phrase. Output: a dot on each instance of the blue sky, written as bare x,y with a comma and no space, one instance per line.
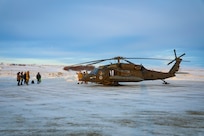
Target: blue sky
69,32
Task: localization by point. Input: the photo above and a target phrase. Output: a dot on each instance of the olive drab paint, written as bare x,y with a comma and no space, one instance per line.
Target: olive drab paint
113,74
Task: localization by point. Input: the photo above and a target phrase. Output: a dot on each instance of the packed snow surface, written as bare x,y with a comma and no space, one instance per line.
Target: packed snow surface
60,106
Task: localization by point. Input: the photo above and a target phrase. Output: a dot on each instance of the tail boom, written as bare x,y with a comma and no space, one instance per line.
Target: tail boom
175,67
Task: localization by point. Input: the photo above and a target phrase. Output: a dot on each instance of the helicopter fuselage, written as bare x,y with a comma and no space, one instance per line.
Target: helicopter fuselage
114,73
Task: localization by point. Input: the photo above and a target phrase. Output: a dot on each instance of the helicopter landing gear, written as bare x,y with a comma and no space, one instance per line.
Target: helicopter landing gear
115,84
164,82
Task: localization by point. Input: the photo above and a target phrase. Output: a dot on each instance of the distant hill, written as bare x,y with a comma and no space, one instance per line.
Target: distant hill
79,68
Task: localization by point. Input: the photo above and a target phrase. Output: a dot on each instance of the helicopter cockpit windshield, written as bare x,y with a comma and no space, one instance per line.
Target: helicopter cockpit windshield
94,72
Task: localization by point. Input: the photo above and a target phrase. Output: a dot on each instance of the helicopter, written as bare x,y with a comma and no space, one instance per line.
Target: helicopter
113,74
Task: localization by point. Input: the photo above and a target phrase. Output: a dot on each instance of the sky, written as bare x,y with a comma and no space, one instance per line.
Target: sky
69,32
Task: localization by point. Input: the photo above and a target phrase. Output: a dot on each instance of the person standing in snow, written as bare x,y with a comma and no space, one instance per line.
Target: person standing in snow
22,77
38,76
18,78
27,77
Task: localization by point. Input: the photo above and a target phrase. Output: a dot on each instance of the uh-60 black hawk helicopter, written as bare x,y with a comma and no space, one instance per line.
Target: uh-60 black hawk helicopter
113,74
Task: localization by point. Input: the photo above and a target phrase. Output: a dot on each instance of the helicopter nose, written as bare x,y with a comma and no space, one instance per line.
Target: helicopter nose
86,78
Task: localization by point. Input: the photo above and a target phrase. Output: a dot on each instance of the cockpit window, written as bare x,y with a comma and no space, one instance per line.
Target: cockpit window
94,72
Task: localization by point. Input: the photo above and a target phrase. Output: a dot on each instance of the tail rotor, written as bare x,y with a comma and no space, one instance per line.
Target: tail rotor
176,57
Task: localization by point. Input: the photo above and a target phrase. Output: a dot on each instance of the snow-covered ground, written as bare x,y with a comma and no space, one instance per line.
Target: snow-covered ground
59,106
47,71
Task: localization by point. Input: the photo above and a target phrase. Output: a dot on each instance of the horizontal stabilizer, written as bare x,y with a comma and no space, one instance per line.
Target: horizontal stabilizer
182,73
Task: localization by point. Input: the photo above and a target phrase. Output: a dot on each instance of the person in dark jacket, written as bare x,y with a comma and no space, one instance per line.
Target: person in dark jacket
38,76
18,78
22,78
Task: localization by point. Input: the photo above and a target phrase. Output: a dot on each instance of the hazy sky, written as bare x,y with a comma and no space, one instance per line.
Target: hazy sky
74,31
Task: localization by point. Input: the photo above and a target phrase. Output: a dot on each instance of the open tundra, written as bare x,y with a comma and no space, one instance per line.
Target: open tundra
59,106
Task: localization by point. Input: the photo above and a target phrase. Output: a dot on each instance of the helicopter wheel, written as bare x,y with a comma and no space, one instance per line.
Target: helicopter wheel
115,83
164,82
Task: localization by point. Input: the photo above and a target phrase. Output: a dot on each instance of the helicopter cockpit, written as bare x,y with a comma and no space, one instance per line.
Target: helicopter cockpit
94,71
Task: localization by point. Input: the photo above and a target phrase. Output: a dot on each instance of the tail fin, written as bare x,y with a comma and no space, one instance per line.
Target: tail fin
176,66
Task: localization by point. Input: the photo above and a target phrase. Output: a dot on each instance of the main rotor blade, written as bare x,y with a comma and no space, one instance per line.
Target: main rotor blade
171,62
129,61
175,53
149,59
87,62
93,62
182,55
125,58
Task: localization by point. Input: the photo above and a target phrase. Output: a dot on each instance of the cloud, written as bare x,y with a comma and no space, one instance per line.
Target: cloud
97,20
99,29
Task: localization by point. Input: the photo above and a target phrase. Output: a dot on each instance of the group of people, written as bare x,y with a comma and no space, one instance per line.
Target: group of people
23,78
